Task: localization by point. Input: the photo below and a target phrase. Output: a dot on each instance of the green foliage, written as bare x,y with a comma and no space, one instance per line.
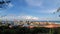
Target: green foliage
25,30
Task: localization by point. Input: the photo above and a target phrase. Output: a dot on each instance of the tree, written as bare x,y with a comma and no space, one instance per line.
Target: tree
58,10
0,22
4,3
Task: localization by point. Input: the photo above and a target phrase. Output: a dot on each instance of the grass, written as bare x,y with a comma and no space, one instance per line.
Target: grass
25,30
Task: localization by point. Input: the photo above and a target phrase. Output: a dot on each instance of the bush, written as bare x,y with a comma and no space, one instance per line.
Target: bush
25,30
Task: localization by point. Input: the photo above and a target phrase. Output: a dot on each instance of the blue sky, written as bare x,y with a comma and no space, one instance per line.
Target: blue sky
43,9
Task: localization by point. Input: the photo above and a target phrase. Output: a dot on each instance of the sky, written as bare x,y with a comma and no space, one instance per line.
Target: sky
32,9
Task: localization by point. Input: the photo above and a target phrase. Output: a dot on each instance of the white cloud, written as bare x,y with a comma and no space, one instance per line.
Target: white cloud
34,3
19,17
46,11
50,19
31,18
50,10
10,5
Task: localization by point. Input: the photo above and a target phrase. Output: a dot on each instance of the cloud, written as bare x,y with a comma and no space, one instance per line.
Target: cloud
49,19
57,2
34,3
43,3
48,6
50,10
10,17
10,5
46,11
32,18
28,17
